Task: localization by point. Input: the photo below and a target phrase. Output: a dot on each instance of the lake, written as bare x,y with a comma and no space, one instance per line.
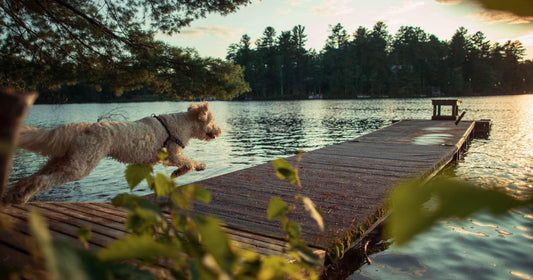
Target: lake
481,247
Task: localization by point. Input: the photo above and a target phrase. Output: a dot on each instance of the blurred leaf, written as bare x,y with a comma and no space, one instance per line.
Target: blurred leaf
276,208
179,200
305,253
284,170
293,229
66,262
415,208
131,201
84,234
135,173
127,271
215,241
137,247
277,267
79,264
211,268
163,185
199,193
142,220
162,154
311,208
39,230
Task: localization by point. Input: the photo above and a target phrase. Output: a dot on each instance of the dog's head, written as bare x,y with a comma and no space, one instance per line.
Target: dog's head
206,129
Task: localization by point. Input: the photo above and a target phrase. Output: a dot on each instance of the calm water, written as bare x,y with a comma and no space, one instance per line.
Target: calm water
482,247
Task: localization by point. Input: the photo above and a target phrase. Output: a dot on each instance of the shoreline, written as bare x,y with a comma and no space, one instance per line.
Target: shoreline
156,98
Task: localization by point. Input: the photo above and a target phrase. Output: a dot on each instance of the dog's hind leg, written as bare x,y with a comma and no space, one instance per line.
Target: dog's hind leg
55,172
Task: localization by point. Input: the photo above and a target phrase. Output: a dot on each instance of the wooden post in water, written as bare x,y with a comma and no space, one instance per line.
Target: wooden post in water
438,103
13,108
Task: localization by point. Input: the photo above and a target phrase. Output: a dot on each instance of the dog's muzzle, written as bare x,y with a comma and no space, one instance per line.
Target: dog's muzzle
213,133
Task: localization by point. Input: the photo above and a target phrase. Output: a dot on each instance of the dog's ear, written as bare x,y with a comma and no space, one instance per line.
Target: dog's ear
199,111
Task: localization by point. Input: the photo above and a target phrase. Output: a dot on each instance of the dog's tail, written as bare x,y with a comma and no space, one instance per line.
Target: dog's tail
48,142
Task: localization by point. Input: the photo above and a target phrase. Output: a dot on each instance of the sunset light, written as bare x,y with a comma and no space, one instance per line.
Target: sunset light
211,36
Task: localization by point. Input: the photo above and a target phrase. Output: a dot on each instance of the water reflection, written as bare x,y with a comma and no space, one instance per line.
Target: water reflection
278,129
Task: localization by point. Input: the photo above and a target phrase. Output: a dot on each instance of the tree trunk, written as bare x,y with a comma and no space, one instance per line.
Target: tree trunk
13,108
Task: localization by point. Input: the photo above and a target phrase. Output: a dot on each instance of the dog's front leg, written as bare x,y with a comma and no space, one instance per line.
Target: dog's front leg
184,164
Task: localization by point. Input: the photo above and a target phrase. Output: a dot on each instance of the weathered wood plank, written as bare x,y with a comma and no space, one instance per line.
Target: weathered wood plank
349,183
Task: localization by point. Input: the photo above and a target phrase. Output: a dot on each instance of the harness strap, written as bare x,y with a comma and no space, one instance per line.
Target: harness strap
170,136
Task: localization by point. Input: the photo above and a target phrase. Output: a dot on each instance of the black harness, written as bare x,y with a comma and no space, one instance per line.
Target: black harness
170,136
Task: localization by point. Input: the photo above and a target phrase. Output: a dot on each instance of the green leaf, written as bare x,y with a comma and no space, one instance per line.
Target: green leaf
215,241
305,253
293,230
180,200
162,154
277,267
276,208
415,208
131,201
143,221
127,271
163,185
201,194
135,173
137,247
84,234
82,264
311,208
284,170
39,230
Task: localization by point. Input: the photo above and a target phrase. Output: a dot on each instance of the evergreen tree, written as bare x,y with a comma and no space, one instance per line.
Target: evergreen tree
48,44
372,62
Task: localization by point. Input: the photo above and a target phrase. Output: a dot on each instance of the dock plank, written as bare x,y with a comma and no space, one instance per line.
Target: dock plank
347,195
349,182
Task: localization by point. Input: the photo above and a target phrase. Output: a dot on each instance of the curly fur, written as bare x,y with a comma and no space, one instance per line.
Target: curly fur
75,149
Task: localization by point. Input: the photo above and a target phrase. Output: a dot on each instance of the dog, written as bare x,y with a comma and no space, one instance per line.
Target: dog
75,149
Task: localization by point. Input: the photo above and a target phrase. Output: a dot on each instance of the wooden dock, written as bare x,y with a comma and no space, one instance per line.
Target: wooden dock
349,182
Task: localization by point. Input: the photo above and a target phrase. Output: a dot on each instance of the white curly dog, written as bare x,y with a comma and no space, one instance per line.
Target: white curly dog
75,149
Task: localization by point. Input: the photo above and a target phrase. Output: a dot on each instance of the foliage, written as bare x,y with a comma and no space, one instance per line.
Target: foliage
415,208
166,231
374,63
53,44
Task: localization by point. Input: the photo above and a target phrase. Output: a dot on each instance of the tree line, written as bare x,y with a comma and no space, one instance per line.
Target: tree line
374,63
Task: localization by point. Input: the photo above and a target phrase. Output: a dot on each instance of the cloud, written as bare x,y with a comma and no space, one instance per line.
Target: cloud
284,12
527,40
296,3
332,8
501,16
219,31
449,2
405,7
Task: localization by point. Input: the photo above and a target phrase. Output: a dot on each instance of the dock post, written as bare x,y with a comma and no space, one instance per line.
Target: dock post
438,103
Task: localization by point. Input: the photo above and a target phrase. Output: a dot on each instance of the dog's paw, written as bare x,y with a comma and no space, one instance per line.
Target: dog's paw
200,167
182,170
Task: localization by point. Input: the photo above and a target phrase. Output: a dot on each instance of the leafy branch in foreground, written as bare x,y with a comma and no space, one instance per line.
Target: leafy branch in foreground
279,209
415,208
167,240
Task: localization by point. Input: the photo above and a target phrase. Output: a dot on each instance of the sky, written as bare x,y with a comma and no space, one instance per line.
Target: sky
212,35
